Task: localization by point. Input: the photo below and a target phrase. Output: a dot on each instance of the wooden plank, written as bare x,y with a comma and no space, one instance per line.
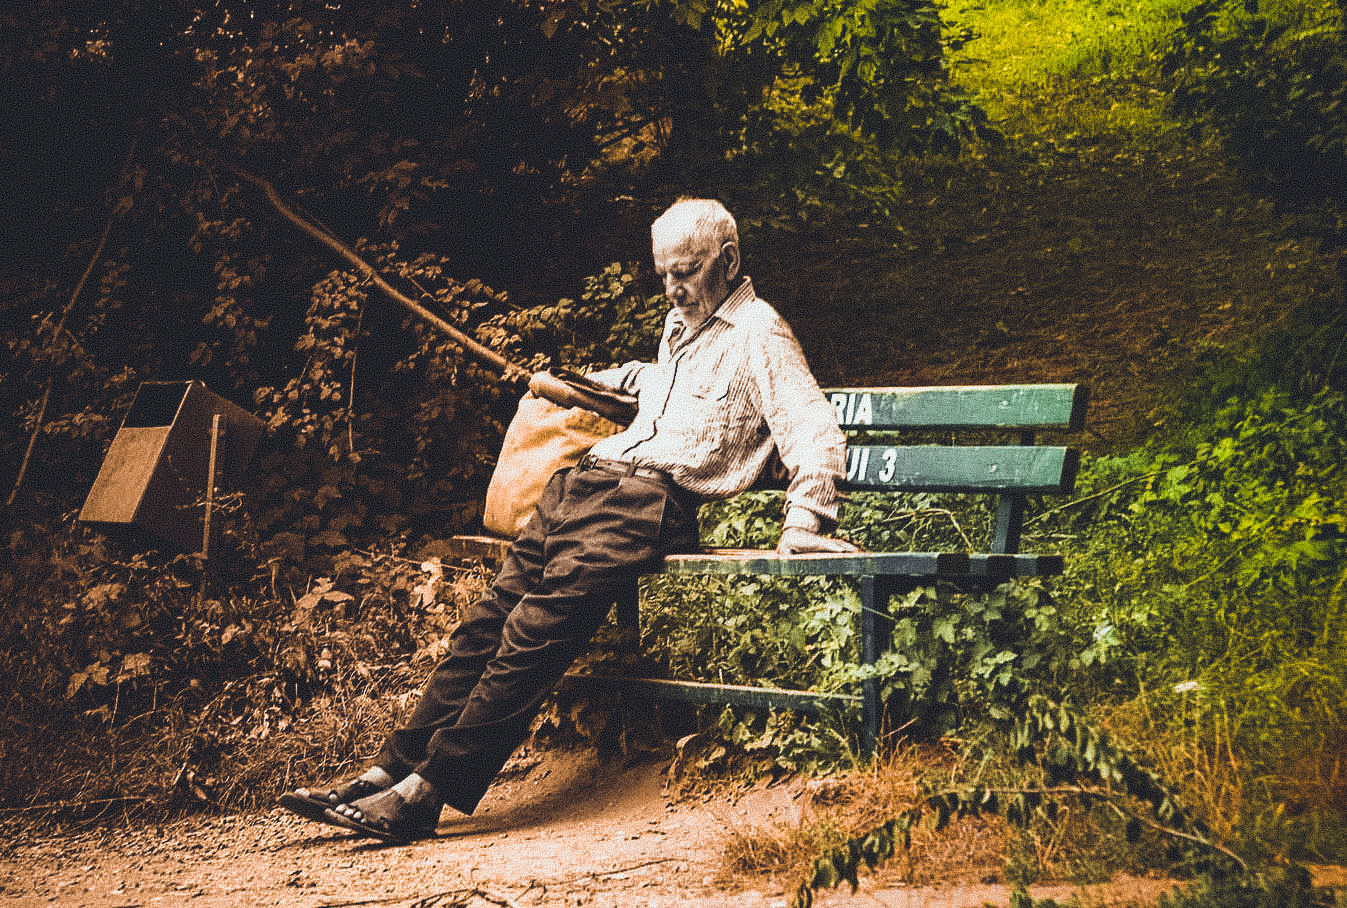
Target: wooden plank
1037,469
730,561
767,562
961,406
729,694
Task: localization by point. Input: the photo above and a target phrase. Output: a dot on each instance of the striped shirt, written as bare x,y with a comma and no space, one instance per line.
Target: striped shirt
720,397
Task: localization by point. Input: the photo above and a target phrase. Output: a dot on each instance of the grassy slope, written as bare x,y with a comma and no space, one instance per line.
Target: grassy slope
1102,245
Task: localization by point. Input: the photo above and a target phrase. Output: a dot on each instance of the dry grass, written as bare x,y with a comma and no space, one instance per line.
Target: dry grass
1218,785
1208,774
843,806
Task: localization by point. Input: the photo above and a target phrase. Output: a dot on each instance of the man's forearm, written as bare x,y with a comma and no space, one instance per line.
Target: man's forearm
625,378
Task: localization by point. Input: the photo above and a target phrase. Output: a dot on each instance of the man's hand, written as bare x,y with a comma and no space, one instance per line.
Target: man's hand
797,540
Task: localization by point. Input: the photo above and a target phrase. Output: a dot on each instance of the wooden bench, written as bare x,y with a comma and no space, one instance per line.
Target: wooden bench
1005,461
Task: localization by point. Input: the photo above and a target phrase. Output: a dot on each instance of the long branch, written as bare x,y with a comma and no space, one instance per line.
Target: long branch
1106,799
483,354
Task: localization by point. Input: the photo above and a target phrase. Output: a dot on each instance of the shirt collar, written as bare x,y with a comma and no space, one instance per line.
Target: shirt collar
735,302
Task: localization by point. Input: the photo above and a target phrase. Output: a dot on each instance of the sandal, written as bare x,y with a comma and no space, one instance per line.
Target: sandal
312,806
394,831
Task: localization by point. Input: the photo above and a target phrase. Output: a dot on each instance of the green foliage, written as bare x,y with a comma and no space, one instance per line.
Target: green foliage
1060,75
955,659
1290,886
873,60
1213,573
804,101
1272,80
1223,565
866,80
611,323
1041,41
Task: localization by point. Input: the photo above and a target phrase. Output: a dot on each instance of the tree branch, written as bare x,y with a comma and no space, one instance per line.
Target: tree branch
508,370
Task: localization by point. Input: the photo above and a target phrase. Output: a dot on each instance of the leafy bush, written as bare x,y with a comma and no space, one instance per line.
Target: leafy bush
1273,83
322,584
956,657
184,693
1217,573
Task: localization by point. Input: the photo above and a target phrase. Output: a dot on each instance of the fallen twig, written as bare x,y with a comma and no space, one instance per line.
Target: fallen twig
65,805
597,876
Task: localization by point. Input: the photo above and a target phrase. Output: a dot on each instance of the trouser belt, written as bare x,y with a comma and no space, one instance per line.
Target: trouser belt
626,468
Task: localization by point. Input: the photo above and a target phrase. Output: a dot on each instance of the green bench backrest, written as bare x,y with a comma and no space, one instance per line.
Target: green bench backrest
1009,470
1026,407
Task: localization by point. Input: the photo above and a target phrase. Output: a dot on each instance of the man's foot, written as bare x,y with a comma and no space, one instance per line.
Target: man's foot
389,816
311,805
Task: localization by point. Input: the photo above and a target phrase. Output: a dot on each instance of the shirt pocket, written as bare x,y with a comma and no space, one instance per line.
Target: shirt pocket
712,380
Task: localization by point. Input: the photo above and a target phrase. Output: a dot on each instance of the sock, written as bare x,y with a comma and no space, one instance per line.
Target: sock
377,775
417,791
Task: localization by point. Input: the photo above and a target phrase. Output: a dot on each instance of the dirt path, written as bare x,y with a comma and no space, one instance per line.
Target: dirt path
558,829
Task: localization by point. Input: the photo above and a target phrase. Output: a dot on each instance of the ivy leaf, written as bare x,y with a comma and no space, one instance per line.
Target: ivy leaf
943,629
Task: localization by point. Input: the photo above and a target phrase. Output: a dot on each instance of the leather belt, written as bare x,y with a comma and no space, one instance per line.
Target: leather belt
624,467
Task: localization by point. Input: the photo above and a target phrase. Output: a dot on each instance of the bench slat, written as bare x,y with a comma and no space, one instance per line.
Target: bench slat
1005,566
767,562
1027,469
699,692
961,406
730,561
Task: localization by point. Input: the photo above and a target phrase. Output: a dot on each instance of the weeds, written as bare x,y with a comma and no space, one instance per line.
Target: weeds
836,808
165,700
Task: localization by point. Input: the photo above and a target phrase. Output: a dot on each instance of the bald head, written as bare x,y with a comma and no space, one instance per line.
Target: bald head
703,221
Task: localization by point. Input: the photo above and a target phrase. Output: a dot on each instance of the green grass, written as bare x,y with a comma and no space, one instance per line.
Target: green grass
1053,57
1025,41
1067,71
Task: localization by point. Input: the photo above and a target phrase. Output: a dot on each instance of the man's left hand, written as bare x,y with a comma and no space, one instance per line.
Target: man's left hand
797,540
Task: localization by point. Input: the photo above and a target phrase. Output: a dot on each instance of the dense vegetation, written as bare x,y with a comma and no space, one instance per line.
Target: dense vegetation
501,169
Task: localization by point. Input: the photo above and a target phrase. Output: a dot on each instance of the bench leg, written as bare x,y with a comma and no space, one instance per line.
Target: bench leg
876,635
627,611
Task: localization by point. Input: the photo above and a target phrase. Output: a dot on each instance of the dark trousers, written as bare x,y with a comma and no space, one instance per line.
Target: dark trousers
593,533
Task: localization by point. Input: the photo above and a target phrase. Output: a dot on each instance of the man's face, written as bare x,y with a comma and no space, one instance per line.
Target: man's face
696,275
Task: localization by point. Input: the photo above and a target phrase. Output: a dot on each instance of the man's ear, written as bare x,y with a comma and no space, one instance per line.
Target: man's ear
730,252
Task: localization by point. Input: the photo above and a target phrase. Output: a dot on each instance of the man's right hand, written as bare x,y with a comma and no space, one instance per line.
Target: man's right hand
798,541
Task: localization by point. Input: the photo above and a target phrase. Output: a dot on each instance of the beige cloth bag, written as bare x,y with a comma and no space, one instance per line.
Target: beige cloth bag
542,438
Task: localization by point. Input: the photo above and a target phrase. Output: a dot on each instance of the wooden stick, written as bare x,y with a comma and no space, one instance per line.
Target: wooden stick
485,355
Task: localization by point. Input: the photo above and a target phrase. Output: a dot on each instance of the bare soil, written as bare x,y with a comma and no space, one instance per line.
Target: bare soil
558,828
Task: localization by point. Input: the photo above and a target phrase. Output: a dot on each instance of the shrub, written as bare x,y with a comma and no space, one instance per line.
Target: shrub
1272,82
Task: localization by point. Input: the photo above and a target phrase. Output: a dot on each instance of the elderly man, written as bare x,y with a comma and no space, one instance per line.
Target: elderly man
730,384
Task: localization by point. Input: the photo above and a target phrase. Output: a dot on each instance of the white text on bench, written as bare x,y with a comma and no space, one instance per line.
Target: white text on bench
853,409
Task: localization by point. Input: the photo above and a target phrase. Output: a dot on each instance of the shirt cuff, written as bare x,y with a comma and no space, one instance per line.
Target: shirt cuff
619,378
804,519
